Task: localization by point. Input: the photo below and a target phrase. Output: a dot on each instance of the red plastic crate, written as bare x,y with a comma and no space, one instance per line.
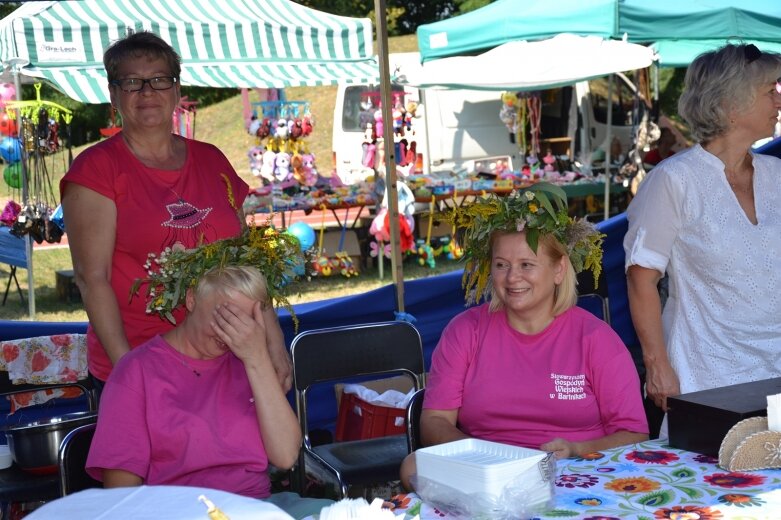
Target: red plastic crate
361,420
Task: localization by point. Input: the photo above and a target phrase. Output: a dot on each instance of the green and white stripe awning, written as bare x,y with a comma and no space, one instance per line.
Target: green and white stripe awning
223,43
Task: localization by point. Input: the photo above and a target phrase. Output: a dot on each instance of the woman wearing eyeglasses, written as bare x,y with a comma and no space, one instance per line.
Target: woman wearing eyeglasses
710,217
137,194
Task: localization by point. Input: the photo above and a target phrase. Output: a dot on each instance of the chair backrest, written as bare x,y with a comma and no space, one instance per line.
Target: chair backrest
588,292
414,409
72,459
340,353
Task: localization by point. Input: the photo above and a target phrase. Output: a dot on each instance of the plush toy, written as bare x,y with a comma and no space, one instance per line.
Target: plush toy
296,163
307,124
282,167
297,129
255,155
281,130
254,126
267,168
323,266
309,171
265,129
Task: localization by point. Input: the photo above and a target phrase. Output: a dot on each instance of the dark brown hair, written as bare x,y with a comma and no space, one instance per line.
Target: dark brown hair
140,44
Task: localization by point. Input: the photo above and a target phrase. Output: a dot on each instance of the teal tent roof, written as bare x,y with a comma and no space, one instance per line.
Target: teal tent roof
223,43
643,21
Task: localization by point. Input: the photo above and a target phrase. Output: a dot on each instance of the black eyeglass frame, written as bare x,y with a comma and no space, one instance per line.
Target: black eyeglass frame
118,83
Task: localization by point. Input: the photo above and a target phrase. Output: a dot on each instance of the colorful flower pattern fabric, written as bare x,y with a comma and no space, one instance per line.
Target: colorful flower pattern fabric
649,481
61,358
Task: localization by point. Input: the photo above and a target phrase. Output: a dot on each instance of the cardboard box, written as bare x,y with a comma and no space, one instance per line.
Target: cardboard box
698,421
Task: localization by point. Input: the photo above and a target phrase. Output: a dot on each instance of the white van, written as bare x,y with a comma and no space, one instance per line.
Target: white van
454,128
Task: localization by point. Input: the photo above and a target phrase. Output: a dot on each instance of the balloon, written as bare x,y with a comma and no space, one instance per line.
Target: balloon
13,175
7,125
7,92
304,233
11,150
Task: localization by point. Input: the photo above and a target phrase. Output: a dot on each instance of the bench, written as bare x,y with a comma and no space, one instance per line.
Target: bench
13,251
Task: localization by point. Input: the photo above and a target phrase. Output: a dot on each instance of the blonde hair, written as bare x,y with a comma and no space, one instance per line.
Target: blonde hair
565,295
244,279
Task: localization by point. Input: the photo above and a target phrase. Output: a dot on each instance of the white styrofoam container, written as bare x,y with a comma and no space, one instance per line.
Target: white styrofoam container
477,466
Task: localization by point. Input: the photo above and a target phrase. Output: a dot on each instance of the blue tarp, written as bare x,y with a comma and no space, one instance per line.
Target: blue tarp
432,301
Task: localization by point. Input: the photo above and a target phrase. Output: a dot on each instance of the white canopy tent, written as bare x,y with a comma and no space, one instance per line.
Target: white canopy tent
533,65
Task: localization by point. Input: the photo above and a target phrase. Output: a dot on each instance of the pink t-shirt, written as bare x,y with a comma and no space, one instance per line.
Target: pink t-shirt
574,380
162,422
155,209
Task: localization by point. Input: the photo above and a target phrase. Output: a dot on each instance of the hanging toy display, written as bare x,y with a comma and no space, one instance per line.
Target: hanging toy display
32,156
281,156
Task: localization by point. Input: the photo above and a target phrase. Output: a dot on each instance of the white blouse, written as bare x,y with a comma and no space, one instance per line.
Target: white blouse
722,320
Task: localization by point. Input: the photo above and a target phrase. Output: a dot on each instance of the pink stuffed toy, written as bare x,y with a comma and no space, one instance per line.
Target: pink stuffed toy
378,126
309,171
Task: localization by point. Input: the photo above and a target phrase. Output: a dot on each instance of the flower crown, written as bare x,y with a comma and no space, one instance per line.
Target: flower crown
174,271
540,209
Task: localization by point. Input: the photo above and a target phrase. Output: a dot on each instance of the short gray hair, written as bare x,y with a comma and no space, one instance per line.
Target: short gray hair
244,279
721,80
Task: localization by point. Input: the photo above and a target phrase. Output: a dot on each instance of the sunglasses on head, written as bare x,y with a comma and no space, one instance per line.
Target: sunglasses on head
751,53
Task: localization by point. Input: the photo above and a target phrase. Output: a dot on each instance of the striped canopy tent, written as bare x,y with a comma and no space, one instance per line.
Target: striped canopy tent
223,43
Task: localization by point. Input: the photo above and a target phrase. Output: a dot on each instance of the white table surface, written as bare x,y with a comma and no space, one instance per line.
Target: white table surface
154,502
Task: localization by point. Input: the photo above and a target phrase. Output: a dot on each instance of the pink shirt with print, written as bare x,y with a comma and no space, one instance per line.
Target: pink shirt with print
574,380
155,209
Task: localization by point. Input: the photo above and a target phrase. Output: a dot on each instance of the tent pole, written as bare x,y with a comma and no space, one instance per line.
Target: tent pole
390,154
16,64
608,144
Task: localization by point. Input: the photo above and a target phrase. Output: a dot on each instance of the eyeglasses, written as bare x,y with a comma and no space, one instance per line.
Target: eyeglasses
751,53
136,84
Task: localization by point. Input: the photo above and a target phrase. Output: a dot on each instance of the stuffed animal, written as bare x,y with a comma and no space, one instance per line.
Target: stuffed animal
255,155
267,168
309,171
254,126
282,167
509,113
296,163
265,129
549,160
297,129
281,130
307,124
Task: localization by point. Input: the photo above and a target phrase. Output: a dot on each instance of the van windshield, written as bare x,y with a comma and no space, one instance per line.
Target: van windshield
360,103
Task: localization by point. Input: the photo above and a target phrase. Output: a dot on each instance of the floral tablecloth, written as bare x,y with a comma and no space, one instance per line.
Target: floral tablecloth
44,360
649,480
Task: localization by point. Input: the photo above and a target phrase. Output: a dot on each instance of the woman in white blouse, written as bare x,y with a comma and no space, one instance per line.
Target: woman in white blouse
710,217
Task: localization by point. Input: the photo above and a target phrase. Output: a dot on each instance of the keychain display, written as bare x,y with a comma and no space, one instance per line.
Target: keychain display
32,156
403,115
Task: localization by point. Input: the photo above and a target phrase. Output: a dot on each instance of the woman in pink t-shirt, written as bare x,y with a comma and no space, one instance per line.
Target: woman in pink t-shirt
530,368
139,193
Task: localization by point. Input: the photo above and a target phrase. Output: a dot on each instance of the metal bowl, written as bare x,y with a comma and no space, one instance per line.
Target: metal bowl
35,445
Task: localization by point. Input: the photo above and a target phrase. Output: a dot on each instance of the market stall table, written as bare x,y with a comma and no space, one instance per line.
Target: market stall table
646,480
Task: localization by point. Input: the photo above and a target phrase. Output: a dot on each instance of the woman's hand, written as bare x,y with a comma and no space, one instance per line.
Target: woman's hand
561,448
661,382
243,334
